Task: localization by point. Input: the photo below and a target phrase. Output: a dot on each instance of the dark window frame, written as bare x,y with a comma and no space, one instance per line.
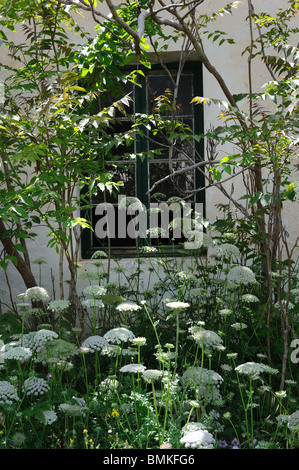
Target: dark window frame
141,184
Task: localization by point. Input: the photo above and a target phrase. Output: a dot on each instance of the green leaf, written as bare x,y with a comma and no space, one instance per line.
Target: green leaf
20,211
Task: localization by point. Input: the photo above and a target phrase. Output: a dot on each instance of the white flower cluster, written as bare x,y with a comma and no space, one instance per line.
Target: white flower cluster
150,375
192,426
293,421
94,343
249,298
207,339
128,306
227,250
19,353
200,439
119,335
59,305
133,368
177,305
50,416
254,369
95,291
46,335
77,409
205,382
32,342
92,303
241,275
35,386
8,393
37,294
132,204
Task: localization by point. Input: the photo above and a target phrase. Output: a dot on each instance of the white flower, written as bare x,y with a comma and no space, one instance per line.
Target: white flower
94,343
293,421
71,410
254,369
99,254
241,275
92,303
206,383
47,335
206,338
35,386
177,305
133,368
50,416
225,311
119,335
227,250
18,353
37,294
132,204
200,439
152,374
128,306
95,291
191,427
109,384
207,240
59,305
140,341
195,245
249,298
155,232
239,326
8,393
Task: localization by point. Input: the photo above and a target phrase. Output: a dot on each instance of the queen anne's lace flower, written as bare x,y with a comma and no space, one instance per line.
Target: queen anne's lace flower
37,294
50,416
177,305
206,383
239,326
293,421
92,303
200,439
8,393
19,353
207,339
152,374
254,369
95,291
139,341
191,427
47,335
249,298
128,306
94,343
35,386
77,409
227,250
99,254
132,204
119,335
133,368
241,275
59,305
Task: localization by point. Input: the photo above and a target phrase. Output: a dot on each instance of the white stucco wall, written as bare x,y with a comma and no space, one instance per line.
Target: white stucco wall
234,68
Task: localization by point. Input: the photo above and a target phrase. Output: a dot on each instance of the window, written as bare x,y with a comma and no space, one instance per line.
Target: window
140,175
